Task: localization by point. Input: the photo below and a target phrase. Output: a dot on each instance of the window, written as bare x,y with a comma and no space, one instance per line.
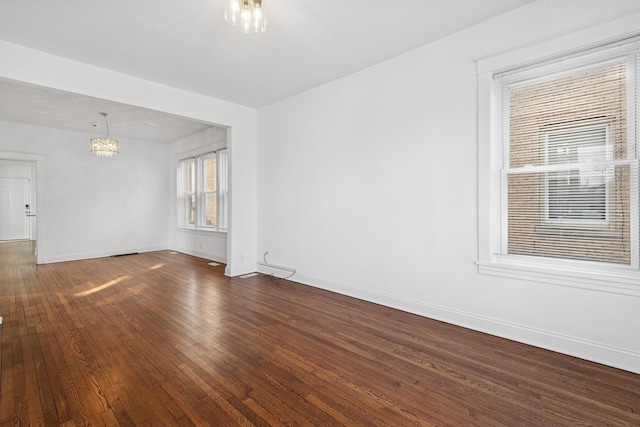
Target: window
203,191
577,196
564,165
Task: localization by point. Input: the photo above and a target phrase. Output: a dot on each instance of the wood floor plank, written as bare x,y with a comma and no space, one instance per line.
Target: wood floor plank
165,339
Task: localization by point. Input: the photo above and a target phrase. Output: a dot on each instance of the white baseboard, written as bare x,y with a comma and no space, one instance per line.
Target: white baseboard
276,271
222,258
50,259
607,355
239,270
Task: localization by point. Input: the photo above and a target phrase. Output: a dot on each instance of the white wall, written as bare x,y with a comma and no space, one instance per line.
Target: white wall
368,186
205,244
90,206
38,68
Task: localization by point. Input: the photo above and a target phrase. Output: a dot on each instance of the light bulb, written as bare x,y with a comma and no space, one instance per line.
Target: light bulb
231,11
245,19
259,21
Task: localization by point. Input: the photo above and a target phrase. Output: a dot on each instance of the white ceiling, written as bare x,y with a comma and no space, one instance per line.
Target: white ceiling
187,45
38,106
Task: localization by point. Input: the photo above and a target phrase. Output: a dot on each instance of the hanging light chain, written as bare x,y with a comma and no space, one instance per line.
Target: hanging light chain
106,123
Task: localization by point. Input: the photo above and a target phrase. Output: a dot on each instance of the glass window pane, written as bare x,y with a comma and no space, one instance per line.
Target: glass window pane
191,209
210,209
190,177
573,111
575,226
209,174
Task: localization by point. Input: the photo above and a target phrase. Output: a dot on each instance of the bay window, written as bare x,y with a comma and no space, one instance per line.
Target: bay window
203,191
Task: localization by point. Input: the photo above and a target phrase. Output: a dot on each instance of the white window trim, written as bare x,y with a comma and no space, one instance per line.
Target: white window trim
183,194
606,278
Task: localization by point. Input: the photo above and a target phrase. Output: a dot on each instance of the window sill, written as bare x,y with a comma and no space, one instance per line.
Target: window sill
204,230
621,280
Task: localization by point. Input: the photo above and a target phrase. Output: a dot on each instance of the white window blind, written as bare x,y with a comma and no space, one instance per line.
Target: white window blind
565,159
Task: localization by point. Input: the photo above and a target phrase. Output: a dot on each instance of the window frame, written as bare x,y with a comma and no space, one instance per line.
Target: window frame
619,279
200,193
186,175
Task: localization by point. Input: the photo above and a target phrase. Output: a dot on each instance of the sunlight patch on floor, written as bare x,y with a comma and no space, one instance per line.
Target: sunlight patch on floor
100,287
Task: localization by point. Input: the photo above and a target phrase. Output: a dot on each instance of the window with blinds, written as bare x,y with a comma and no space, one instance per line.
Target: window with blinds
202,186
566,158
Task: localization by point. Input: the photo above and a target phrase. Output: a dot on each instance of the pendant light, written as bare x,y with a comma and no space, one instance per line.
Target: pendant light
246,15
104,147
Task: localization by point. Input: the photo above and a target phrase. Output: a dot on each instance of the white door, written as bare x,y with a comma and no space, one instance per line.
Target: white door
15,201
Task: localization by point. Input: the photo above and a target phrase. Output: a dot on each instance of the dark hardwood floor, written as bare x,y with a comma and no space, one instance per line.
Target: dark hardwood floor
162,339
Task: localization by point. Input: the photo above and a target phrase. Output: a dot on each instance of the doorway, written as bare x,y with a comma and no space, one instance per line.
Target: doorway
18,201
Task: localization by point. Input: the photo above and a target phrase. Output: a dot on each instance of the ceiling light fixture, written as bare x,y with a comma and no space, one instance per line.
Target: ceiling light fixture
246,15
104,147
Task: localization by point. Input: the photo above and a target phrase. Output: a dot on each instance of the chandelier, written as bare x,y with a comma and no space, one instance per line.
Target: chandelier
246,15
104,147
